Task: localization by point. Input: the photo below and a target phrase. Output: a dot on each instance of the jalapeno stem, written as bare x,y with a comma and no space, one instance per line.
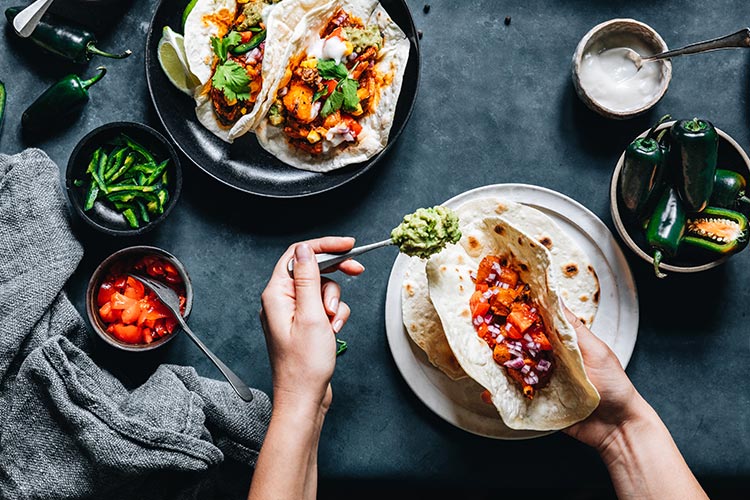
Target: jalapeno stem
657,261
695,125
656,125
92,49
88,83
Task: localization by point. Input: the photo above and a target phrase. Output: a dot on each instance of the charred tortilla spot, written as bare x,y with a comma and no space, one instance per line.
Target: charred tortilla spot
591,270
520,240
532,245
500,208
466,313
413,327
443,269
596,297
546,242
583,321
570,270
473,243
499,229
460,259
409,289
460,277
523,266
584,298
461,288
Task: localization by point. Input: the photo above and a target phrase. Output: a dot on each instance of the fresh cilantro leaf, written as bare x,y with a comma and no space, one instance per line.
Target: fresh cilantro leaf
349,91
232,79
333,103
320,93
329,70
222,45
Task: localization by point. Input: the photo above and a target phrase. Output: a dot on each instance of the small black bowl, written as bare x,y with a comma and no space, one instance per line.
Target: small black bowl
103,216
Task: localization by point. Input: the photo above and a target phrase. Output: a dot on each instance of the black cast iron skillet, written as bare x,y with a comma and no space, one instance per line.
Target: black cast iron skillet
245,165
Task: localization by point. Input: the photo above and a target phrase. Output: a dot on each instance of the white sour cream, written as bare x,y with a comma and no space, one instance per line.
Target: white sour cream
331,48
613,81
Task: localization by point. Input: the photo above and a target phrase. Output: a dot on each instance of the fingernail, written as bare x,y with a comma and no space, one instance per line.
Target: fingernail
337,325
303,252
333,304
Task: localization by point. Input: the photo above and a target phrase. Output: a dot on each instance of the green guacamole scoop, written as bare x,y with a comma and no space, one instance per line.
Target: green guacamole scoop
421,234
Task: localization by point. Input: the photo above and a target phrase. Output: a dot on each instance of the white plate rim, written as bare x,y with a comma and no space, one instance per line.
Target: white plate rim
411,368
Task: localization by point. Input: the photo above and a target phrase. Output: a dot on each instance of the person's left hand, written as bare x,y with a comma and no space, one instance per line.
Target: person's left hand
300,317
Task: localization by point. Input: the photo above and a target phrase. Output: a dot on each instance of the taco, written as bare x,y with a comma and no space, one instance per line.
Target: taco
575,277
230,47
499,303
334,101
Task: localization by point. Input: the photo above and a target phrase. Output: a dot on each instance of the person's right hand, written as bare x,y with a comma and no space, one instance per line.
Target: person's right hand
620,402
300,318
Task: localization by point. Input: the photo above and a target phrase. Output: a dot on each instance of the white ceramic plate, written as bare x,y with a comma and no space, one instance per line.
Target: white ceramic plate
616,321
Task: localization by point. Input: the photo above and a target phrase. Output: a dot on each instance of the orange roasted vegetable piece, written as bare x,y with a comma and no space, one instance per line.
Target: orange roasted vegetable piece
298,102
485,268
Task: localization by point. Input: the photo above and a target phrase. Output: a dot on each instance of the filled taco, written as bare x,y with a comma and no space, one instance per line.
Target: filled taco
333,102
500,307
231,46
572,271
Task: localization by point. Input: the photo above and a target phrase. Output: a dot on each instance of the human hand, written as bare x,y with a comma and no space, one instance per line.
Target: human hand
620,402
300,318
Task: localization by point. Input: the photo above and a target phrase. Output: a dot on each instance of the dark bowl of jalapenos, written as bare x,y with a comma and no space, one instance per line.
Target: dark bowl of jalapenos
123,178
643,225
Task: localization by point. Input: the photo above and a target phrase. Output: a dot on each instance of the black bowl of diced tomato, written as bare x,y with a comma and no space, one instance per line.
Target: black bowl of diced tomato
125,313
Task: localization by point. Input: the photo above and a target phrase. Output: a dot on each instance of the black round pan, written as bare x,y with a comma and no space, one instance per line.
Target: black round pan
245,165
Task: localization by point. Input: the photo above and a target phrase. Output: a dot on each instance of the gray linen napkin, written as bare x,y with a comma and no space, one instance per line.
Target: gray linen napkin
69,429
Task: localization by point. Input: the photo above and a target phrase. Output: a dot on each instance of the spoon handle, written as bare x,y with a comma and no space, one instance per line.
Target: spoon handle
327,260
739,39
26,21
242,390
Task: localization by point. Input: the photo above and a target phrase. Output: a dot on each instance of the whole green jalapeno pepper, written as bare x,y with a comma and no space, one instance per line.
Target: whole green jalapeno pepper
64,39
694,146
729,191
666,228
640,181
717,230
64,97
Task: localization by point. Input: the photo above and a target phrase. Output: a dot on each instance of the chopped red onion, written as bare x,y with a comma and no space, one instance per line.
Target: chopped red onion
531,378
283,91
543,365
487,294
491,277
504,285
528,337
533,353
488,318
477,320
526,368
493,329
515,363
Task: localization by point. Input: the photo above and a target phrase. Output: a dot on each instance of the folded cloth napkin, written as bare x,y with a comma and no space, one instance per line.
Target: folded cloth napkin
69,429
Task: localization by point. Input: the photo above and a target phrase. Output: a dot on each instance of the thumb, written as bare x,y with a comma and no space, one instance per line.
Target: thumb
307,282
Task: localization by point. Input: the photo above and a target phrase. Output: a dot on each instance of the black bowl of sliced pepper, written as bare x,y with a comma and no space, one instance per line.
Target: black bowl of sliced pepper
123,312
678,196
123,178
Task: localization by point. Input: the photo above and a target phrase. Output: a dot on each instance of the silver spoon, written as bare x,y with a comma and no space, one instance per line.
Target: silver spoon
26,21
735,40
328,260
170,299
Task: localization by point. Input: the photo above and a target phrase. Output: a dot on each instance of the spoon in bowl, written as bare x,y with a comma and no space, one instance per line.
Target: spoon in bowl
735,40
172,302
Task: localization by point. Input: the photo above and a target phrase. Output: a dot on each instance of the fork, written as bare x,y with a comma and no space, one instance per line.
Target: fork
170,299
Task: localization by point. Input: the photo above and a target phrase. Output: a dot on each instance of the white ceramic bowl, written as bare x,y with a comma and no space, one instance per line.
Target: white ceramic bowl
626,28
731,157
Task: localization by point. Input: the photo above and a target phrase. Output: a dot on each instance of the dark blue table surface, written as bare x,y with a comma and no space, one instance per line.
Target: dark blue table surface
496,104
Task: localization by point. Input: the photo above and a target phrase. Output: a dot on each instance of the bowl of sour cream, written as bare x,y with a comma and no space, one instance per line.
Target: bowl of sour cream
607,81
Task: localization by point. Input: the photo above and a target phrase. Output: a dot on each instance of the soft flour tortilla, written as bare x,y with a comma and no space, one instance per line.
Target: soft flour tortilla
570,396
422,322
376,126
207,19
573,273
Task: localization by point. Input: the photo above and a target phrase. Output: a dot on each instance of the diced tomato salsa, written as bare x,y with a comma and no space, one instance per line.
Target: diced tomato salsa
131,312
505,317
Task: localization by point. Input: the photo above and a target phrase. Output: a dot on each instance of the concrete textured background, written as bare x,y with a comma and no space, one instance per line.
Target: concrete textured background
496,104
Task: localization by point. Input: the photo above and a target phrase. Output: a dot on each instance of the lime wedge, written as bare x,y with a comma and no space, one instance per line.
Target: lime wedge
187,12
173,61
2,103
